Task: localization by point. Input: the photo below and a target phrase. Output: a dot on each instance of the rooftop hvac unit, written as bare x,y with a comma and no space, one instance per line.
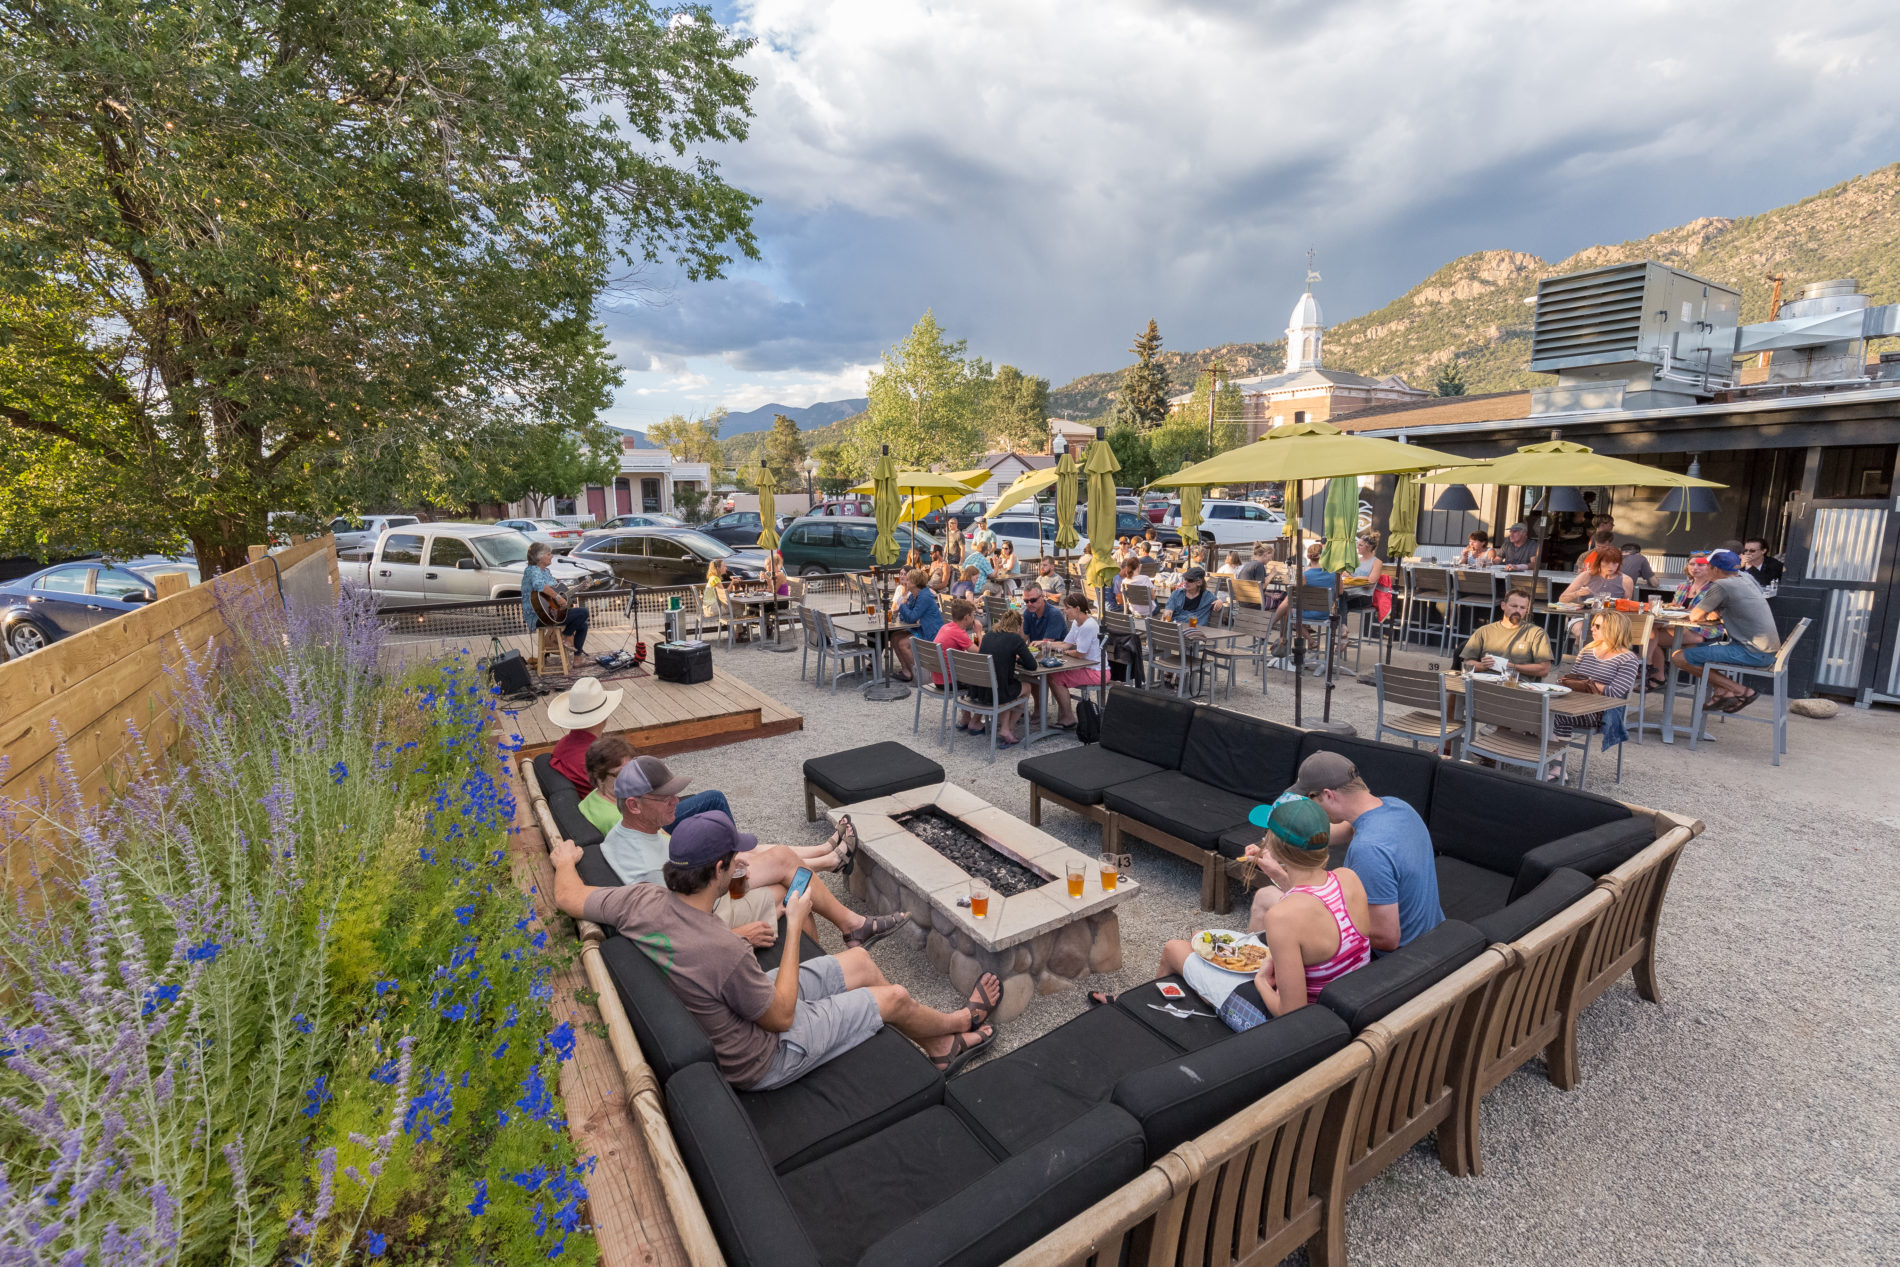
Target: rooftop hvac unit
1632,336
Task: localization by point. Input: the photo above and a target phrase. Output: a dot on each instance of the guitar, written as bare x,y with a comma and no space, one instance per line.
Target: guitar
550,604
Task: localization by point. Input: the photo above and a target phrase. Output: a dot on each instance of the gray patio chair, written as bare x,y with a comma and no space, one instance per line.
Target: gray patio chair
1426,704
1777,676
1171,651
1522,734
1427,594
1476,591
842,649
974,669
931,662
1255,648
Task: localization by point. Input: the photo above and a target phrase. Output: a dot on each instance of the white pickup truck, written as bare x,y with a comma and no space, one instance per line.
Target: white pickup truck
417,564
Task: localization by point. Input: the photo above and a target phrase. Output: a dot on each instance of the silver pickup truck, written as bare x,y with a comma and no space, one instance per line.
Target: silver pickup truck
418,564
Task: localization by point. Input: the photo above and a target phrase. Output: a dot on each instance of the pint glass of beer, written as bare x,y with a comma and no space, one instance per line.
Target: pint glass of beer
979,899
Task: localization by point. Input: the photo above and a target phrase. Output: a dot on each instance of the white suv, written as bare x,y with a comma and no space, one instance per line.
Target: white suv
1229,523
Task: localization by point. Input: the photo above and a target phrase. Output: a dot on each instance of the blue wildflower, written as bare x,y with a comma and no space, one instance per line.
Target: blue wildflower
500,1051
384,987
156,996
454,1012
535,1100
480,1203
302,1023
317,1096
385,1073
560,1041
339,772
205,952
375,1243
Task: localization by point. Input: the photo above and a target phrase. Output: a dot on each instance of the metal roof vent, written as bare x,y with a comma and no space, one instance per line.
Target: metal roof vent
1640,335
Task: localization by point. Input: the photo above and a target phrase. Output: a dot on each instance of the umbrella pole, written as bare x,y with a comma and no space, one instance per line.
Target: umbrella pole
1332,645
1296,632
1537,556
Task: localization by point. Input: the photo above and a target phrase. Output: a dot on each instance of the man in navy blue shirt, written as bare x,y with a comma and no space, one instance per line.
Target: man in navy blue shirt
1042,619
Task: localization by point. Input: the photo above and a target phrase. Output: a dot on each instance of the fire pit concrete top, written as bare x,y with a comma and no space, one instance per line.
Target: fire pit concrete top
923,871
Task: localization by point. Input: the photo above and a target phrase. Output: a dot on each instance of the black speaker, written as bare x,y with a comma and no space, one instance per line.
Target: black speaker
509,673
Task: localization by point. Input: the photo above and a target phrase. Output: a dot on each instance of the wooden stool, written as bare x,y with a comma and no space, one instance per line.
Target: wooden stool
549,642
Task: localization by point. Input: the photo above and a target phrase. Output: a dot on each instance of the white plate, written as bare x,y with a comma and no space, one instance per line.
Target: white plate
1546,688
1487,677
1202,943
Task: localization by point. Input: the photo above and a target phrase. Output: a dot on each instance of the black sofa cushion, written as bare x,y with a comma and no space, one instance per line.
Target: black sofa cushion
769,956
564,803
1364,996
879,769
858,1094
1180,806
1184,1033
1595,852
744,1202
849,1199
1018,1098
1180,1098
1468,892
1388,769
1559,890
1151,728
1022,1200
669,1036
1243,755
1082,774
594,869
1492,819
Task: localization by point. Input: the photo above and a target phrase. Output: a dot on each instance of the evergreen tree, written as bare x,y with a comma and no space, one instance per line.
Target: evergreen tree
1142,402
784,450
1450,380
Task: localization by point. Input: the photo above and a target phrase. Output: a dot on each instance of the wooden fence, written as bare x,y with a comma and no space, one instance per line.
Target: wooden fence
89,688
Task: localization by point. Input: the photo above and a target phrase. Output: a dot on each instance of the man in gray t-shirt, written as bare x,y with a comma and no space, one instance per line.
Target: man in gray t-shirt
766,1029
1753,641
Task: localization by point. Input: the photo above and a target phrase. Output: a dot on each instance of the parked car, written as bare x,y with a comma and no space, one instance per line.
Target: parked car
150,565
820,543
454,563
966,513
1130,523
1155,506
1032,535
558,536
42,607
739,528
858,506
1230,523
353,533
664,556
642,521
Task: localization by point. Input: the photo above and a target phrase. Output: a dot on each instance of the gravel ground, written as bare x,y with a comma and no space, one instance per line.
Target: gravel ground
1746,1119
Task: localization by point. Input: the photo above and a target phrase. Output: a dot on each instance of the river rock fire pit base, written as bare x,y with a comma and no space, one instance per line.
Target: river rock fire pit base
1040,941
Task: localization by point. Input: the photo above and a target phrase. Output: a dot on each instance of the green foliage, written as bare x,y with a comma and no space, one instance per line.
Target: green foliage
691,503
1018,411
1143,399
535,463
305,257
926,403
1450,380
782,454
838,470
691,440
1130,448
1180,442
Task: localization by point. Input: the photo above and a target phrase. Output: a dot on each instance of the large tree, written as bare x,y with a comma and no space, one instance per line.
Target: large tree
926,402
1229,430
783,451
691,440
264,255
1018,410
1142,400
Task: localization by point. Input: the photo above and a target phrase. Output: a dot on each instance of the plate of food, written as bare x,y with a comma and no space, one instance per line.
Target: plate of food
1546,688
1242,954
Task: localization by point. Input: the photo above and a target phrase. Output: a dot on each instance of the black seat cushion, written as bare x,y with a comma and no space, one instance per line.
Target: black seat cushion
1388,769
879,769
1233,844
669,1036
1083,774
1469,892
1022,1200
1042,1086
769,956
1180,1098
1493,819
1150,728
564,803
743,1199
1244,755
594,869
1559,890
1184,1033
1180,806
844,1100
848,1199
1595,852
1364,996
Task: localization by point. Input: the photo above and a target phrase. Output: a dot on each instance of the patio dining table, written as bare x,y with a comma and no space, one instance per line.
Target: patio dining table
878,627
769,605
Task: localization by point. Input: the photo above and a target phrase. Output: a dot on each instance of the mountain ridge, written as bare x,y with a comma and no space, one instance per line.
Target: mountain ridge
808,417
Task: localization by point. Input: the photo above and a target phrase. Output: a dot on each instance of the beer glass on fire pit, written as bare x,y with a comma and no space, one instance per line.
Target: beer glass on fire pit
979,898
1076,874
1111,872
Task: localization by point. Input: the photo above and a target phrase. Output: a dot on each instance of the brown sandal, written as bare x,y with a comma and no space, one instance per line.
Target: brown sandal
961,1050
982,1002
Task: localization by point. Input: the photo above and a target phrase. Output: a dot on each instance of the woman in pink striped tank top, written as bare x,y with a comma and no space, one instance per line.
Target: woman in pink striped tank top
1316,931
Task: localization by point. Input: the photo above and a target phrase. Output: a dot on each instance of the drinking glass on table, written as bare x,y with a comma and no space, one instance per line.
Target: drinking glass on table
1111,872
979,899
1075,877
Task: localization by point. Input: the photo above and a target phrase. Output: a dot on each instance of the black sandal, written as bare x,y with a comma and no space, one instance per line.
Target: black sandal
961,1050
874,929
845,845
980,1003
1098,998
1739,702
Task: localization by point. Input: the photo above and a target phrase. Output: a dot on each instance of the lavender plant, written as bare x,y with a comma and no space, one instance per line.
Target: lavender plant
279,998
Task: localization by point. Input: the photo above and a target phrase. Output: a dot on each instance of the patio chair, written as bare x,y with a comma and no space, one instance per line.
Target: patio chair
840,648
1119,628
994,605
738,617
1428,589
1633,723
1150,566
1255,648
974,669
1777,675
1427,701
1248,593
1170,650
1522,735
1295,617
1138,595
1475,591
931,663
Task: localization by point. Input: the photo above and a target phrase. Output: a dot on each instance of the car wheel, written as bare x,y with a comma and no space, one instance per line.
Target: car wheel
25,638
811,569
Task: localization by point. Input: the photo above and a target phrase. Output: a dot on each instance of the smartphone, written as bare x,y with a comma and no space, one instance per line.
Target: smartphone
801,880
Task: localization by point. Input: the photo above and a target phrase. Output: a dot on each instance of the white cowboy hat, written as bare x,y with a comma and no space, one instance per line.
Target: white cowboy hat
587,704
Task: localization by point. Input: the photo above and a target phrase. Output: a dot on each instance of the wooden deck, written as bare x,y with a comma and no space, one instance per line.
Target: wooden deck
655,717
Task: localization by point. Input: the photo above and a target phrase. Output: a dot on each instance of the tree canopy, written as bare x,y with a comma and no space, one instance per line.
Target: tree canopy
1018,410
318,256
926,402
691,440
782,454
1450,380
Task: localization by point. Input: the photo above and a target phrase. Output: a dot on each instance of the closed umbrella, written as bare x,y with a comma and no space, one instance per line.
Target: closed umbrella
768,510
1101,466
884,504
1066,537
1402,526
1190,514
1342,525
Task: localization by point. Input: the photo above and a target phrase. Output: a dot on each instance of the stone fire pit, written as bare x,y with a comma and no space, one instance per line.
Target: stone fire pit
1037,941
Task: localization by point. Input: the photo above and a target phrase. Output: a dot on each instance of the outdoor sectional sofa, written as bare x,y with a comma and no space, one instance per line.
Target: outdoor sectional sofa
1130,1135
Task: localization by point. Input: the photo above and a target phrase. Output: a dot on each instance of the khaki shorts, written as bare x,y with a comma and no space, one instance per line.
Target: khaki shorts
830,1021
756,907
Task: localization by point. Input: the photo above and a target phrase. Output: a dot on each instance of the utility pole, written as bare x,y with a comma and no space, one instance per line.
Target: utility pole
1213,390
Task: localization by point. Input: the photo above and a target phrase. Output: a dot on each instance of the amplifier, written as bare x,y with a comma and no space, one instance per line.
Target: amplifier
683,662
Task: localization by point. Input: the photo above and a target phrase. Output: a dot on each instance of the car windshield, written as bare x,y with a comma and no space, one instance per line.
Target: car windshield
500,549
547,523
704,546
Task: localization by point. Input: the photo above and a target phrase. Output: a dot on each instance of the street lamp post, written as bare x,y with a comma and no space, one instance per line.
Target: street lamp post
811,473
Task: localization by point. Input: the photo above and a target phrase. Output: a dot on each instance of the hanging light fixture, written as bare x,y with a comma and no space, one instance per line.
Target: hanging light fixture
1565,500
1456,497
1690,501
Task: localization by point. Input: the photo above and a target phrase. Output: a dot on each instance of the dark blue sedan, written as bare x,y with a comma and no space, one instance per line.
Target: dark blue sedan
62,600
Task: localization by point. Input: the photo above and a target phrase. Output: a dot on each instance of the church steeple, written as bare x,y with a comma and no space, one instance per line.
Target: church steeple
1303,328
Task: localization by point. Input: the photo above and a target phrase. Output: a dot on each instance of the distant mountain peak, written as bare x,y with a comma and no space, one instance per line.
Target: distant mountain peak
808,417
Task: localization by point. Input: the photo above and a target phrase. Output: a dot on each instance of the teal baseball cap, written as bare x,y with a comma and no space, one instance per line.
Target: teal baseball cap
1298,821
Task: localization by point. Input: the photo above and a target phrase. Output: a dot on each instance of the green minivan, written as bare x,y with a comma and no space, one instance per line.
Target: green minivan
841,543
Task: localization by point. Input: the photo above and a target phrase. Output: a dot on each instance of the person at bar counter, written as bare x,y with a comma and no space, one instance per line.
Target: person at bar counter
1517,551
767,1029
1753,641
1514,638
1636,564
1477,552
1388,849
1758,563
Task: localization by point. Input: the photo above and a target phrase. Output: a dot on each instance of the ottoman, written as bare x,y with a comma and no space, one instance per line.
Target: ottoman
863,774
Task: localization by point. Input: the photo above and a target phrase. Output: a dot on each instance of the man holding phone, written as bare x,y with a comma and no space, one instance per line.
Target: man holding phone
766,1029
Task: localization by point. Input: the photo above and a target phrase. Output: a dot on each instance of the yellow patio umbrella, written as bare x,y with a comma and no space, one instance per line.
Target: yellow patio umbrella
1190,514
923,492
1066,537
1402,525
768,509
1101,466
883,490
1342,524
1027,485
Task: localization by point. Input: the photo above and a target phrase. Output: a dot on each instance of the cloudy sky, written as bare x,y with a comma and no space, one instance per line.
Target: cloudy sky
1047,175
